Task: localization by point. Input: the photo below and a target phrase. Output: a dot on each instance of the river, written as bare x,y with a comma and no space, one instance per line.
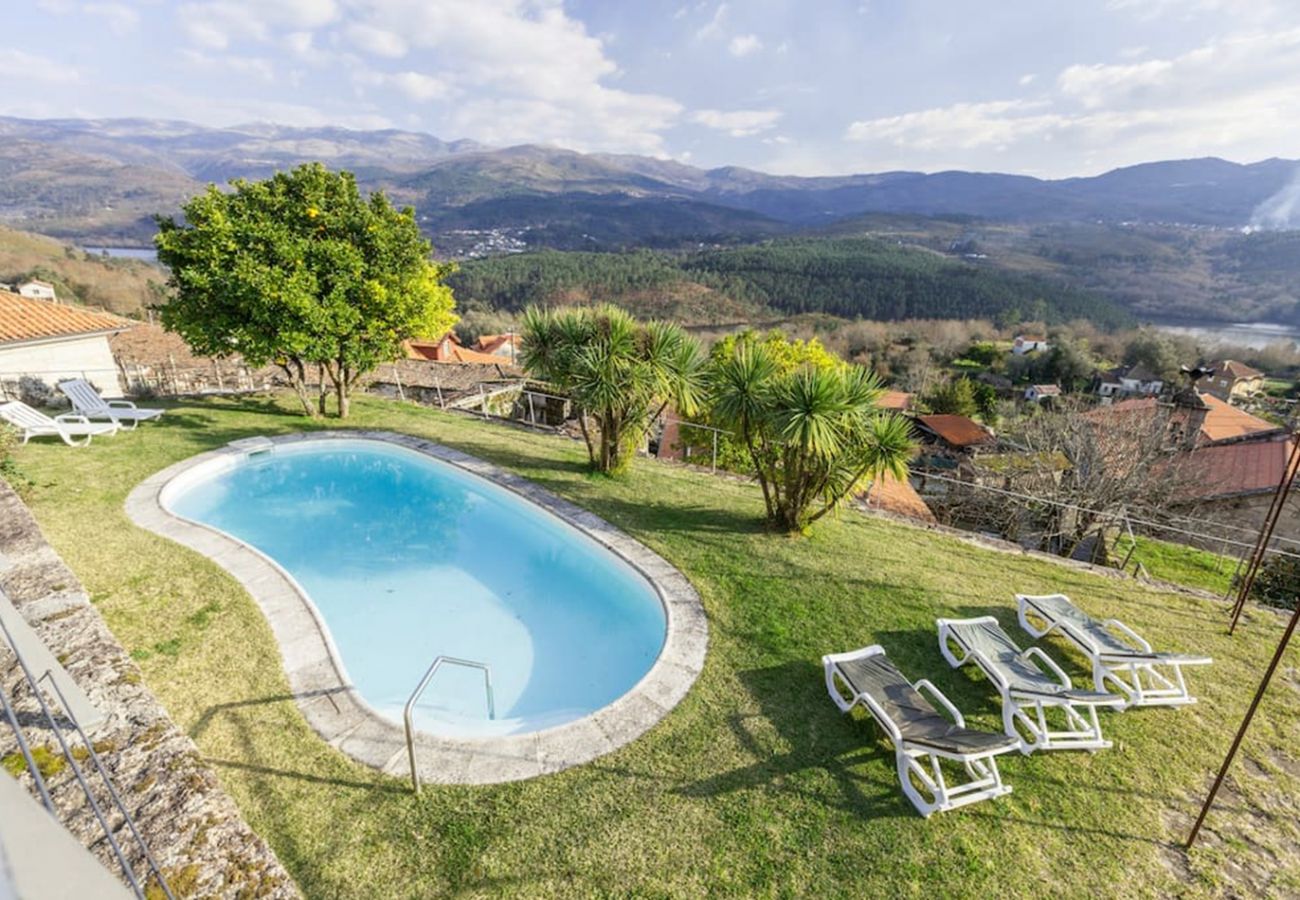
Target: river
148,254
1245,334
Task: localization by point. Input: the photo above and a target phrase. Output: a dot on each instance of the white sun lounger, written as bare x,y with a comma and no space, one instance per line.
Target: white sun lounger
86,401
920,735
1119,656
1027,692
69,426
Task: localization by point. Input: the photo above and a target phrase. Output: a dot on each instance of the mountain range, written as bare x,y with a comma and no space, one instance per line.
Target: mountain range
101,181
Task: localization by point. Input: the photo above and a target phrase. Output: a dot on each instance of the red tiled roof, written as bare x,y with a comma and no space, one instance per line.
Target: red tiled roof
1224,422
1236,370
1048,390
896,400
958,431
490,343
1231,470
891,495
23,320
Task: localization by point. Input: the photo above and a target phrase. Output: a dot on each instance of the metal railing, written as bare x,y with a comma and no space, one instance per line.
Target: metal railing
70,758
419,689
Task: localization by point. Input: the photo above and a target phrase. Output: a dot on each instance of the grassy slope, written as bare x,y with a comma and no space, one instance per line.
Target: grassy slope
755,784
118,285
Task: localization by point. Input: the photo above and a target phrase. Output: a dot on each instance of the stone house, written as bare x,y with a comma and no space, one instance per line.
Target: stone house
51,342
1233,380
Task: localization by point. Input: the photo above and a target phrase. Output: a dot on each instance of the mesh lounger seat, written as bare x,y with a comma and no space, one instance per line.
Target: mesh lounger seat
920,735
1119,656
69,426
87,402
1027,691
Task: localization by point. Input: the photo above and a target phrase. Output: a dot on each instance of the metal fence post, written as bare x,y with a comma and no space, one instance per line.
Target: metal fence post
715,453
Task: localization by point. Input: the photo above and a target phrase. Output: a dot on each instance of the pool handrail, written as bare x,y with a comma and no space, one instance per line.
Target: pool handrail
419,689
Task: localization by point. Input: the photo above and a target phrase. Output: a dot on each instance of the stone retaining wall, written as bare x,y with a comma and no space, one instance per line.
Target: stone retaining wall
190,824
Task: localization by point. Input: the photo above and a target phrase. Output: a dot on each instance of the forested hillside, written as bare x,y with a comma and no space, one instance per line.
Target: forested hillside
849,277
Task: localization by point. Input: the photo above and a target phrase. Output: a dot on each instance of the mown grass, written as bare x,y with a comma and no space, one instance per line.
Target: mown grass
755,784
1181,564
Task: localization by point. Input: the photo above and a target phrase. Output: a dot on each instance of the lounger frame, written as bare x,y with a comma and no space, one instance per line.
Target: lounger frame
1137,675
917,760
87,401
1024,712
33,423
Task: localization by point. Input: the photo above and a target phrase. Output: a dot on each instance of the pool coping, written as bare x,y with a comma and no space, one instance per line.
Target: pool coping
342,717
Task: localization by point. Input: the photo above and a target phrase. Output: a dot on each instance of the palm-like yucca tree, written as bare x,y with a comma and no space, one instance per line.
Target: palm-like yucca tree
814,435
619,372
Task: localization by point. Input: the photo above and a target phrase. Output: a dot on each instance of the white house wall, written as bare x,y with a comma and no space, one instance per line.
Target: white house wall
84,357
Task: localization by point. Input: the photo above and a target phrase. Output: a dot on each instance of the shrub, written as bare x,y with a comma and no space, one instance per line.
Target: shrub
1278,582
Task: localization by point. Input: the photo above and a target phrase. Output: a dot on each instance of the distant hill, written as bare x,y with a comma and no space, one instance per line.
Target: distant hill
846,277
122,286
96,179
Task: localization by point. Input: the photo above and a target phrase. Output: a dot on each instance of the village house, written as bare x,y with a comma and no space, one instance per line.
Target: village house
1133,381
449,349
1030,343
37,290
51,342
955,438
1233,380
505,346
1037,393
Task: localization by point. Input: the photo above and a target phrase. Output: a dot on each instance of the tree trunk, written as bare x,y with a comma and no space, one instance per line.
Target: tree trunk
341,393
296,372
322,391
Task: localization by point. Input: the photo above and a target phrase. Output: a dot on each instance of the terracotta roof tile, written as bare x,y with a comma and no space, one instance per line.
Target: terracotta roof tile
1232,470
899,497
896,400
1235,370
1224,422
23,320
958,431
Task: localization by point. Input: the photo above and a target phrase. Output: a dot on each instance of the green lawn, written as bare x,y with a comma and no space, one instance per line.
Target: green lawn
755,784
1181,564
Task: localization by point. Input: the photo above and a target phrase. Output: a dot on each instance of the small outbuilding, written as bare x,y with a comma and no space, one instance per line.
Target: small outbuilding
50,342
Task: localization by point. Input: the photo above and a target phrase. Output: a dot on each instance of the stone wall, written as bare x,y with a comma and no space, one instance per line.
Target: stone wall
190,824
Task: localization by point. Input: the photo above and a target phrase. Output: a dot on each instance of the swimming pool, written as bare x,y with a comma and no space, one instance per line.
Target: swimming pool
406,558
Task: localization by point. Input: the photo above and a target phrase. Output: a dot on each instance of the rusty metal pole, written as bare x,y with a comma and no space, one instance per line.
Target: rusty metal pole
1245,723
1266,532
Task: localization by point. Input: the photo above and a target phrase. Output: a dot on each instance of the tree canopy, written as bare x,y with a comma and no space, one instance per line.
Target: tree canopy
620,373
301,270
813,433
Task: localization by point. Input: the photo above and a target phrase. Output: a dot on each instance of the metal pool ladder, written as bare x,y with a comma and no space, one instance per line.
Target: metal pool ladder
419,689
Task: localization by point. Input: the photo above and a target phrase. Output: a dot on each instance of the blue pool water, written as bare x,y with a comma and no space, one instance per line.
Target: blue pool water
407,558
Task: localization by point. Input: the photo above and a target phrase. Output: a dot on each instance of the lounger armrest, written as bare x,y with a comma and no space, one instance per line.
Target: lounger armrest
121,404
1129,633
72,419
925,685
1037,653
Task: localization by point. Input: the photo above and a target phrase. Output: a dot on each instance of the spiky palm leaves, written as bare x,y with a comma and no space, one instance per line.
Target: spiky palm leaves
814,434
620,373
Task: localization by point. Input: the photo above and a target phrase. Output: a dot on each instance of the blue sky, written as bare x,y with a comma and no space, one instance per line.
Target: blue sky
789,86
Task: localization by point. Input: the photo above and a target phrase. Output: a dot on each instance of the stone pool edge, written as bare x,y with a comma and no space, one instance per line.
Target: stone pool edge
343,719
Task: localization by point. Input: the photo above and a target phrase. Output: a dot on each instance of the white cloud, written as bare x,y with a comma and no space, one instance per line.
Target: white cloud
415,86
744,44
377,41
217,24
121,18
18,65
1232,97
963,126
713,27
1027,80
737,123
249,66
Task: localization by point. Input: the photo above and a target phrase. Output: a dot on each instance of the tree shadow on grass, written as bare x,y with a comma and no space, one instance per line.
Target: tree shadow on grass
231,711
792,700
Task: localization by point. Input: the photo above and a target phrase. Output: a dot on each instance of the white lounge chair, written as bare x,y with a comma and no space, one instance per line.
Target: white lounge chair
86,401
1027,692
1119,656
920,735
69,426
